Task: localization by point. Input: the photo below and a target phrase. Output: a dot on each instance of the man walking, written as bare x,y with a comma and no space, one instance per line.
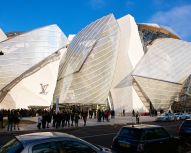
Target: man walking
137,117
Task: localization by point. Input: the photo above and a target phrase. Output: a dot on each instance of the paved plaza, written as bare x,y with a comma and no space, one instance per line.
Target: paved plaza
90,122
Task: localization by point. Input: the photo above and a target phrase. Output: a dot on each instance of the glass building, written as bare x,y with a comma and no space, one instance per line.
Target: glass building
114,62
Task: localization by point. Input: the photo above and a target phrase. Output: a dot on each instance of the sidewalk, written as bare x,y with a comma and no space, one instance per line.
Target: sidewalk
90,122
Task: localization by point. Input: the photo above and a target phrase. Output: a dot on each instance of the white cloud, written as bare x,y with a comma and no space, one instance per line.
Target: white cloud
97,4
178,18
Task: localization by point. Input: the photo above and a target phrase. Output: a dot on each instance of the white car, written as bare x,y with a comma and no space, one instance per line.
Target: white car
188,116
180,116
166,117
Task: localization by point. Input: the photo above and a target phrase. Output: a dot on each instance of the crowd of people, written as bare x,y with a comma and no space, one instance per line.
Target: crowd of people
70,117
13,119
66,117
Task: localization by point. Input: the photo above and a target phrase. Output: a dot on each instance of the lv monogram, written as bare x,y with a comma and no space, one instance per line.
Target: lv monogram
43,87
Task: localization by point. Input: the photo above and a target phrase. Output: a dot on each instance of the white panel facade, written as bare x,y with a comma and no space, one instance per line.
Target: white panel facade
26,54
129,53
167,59
27,50
34,90
2,35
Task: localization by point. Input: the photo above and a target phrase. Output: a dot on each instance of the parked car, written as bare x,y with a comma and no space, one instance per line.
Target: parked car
188,116
144,139
166,117
185,129
180,116
185,135
50,142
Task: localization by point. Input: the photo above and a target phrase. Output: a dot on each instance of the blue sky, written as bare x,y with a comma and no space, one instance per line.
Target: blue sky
72,15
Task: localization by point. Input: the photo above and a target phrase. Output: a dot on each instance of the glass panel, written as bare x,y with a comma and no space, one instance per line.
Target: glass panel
13,146
167,59
161,94
130,133
49,147
186,124
75,147
156,133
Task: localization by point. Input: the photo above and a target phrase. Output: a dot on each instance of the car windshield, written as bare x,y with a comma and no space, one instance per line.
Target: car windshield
155,133
13,146
187,124
130,133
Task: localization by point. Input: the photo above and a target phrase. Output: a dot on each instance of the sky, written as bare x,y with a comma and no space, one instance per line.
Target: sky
72,15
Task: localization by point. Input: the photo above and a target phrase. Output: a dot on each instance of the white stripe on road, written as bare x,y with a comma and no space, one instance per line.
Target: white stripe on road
99,135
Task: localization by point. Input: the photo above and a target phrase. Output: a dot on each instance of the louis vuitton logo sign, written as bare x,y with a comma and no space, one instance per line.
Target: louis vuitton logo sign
44,88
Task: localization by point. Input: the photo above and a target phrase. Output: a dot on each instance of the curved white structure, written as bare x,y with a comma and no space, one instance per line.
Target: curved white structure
24,57
2,35
130,51
86,72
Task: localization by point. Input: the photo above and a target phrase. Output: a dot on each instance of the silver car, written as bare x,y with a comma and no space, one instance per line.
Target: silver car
50,142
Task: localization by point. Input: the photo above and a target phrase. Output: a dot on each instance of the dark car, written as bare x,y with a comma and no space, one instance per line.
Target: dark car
185,129
145,139
50,142
185,135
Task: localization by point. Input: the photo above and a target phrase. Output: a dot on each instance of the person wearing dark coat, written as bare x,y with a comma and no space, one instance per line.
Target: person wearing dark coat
64,115
48,118
90,113
72,117
44,119
16,118
137,117
99,115
10,120
54,119
58,119
84,116
68,118
76,119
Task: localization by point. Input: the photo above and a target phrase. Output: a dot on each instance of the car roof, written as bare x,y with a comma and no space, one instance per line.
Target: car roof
142,126
188,119
43,136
